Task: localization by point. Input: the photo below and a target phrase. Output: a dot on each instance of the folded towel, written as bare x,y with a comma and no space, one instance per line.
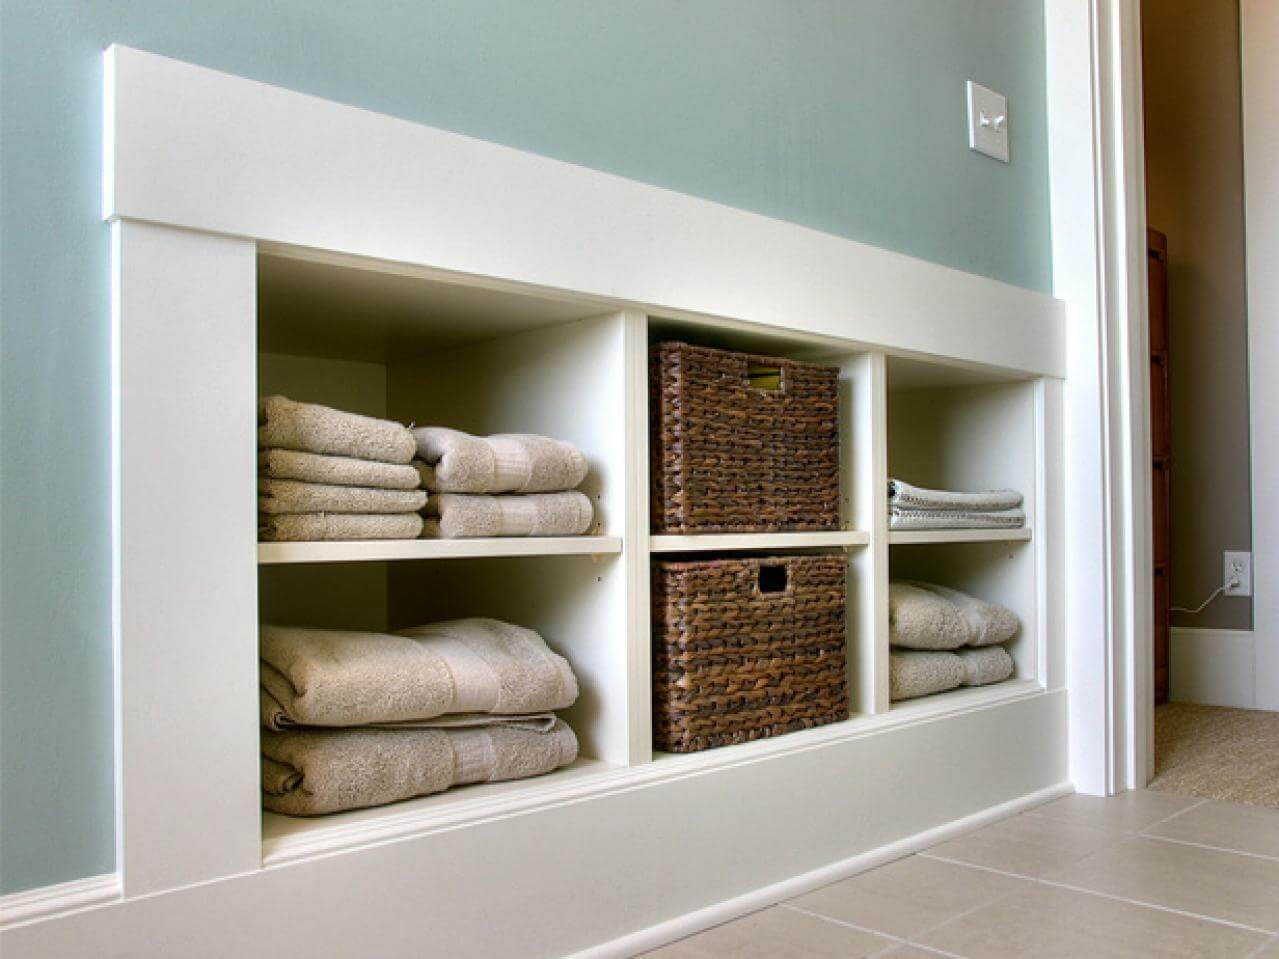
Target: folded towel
456,462
990,664
314,527
456,515
919,619
290,496
899,518
901,494
309,772
323,677
988,623
912,674
335,470
318,429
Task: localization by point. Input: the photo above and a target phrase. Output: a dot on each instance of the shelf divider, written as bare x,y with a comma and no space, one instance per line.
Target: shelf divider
355,551
902,537
707,542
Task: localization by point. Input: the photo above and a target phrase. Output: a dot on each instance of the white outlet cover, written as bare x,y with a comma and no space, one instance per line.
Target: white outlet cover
987,122
1241,561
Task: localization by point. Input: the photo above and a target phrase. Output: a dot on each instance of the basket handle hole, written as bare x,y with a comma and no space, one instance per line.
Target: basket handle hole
772,579
764,377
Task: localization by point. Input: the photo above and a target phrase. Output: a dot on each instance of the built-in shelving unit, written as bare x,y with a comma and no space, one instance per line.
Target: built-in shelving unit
460,283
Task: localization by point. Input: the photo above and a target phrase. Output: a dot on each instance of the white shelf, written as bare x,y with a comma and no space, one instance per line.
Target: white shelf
704,542
902,537
355,551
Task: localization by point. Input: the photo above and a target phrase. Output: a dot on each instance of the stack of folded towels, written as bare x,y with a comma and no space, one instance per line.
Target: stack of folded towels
325,475
943,639
354,719
913,507
508,484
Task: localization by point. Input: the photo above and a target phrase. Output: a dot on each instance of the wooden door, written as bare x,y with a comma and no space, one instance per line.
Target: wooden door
1161,454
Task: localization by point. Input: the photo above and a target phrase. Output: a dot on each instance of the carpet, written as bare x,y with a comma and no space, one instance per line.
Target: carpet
1217,753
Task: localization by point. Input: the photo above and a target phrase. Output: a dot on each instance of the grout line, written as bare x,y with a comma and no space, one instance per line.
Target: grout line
1168,819
1205,845
1153,905
1106,895
896,940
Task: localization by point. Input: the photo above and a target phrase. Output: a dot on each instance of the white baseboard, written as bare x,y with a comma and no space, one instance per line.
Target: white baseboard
694,922
20,907
1215,667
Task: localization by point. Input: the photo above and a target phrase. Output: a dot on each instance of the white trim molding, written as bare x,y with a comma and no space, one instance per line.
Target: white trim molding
1215,667
1259,28
48,901
1098,222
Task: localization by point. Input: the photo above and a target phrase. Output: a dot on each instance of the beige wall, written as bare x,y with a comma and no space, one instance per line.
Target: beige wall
1194,169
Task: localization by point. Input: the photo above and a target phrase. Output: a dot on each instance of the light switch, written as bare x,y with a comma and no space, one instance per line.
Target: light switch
987,121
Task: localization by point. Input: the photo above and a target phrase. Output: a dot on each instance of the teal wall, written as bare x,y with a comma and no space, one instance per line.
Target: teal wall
845,115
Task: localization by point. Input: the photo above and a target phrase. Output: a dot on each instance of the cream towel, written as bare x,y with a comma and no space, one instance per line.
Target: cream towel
912,674
322,677
458,515
316,527
905,496
311,772
318,429
899,518
456,462
919,619
335,470
290,496
988,623
990,664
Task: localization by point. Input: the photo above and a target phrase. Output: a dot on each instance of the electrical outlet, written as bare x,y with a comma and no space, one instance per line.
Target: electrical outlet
1237,569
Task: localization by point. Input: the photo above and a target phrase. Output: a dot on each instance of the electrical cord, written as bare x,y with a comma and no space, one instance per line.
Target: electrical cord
1228,584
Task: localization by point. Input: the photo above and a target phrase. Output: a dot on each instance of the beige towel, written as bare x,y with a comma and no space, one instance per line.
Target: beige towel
316,527
310,772
988,623
900,518
318,429
335,470
458,515
919,619
455,462
322,677
912,673
907,497
989,664
290,496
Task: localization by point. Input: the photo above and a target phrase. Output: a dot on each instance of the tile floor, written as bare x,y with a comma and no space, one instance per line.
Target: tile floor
1143,874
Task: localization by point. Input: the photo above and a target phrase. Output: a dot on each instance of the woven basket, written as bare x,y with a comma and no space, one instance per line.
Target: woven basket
742,443
746,648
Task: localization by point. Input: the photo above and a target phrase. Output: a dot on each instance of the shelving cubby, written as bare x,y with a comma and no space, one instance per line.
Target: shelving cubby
967,428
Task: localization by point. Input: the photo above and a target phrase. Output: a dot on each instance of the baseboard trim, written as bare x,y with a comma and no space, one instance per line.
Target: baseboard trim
666,932
1213,667
41,903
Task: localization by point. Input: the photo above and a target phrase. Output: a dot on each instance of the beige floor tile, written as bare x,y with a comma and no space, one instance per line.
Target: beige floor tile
1052,923
911,952
1253,829
1025,845
907,896
1126,813
776,933
1270,952
1220,885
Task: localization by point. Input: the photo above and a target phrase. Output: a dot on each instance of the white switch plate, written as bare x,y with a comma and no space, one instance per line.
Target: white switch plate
987,122
1237,564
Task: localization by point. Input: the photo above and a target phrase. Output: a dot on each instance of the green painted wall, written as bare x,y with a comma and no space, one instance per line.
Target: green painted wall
844,115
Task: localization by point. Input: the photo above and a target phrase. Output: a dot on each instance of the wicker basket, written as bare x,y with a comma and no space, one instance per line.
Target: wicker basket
746,648
742,443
